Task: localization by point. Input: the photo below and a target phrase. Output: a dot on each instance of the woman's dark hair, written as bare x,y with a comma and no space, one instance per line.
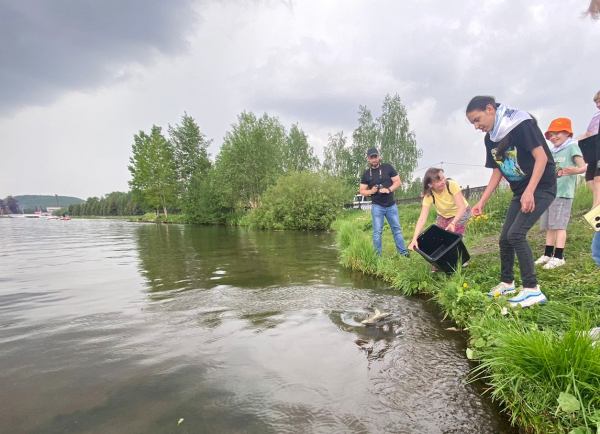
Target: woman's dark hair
432,175
480,102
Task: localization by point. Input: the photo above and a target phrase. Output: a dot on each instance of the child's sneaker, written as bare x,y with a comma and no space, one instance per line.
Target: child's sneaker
554,262
543,260
528,297
502,289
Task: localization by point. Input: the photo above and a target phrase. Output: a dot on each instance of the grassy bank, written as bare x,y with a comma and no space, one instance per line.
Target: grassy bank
231,219
104,217
539,362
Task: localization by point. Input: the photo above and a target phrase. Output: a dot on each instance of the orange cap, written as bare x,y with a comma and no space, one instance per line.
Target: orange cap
560,124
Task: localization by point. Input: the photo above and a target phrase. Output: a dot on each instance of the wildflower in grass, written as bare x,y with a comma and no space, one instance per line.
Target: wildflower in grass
465,285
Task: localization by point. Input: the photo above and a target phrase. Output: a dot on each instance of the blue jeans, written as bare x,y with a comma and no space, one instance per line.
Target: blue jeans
378,212
596,248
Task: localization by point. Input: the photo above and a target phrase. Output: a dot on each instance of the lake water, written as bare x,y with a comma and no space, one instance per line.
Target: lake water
115,327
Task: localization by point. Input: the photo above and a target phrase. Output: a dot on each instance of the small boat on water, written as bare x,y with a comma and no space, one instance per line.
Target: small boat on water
65,218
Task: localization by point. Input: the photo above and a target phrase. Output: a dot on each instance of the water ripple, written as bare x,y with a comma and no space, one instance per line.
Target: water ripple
108,326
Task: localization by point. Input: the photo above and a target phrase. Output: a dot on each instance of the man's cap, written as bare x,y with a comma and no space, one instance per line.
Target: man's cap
372,151
560,124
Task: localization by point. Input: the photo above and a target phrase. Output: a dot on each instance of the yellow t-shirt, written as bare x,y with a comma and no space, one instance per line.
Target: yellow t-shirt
444,203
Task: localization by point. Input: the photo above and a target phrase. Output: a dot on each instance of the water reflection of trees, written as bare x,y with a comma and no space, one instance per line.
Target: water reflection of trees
190,257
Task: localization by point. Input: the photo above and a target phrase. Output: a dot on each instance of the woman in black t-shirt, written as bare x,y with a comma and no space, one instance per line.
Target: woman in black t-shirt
517,150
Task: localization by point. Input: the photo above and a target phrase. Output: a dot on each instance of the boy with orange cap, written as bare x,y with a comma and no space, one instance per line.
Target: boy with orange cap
569,162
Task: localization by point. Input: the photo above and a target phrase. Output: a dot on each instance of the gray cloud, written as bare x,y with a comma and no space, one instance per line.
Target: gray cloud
310,61
49,47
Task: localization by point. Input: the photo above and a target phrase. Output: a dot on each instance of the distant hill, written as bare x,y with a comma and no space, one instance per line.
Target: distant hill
30,201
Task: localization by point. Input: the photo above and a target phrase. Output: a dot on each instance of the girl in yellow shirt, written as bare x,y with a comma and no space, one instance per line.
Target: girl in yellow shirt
446,195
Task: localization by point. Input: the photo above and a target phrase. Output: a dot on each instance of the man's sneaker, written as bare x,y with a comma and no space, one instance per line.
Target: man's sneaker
528,297
543,259
554,262
502,289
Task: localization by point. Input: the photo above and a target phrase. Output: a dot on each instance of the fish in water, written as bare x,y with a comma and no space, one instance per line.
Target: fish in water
377,317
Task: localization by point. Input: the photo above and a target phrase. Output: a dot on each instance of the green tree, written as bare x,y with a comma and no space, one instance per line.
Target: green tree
298,154
344,161
250,160
190,150
204,204
411,189
153,171
13,205
396,142
301,200
365,136
335,155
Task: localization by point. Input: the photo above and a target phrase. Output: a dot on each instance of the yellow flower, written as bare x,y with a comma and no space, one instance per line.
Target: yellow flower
485,217
465,285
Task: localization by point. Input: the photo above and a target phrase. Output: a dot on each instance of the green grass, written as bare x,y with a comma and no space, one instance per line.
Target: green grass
150,217
109,217
534,360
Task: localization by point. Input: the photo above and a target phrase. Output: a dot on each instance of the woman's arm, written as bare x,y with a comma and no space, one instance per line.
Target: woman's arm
527,201
584,136
419,227
460,204
492,184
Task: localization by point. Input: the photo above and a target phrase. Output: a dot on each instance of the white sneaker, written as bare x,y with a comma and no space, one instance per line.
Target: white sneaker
543,259
502,289
527,297
553,263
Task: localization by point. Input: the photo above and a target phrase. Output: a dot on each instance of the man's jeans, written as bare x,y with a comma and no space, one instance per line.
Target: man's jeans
513,238
596,248
378,212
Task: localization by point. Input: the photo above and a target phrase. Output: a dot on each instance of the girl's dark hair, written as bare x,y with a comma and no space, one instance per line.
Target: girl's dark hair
432,175
480,103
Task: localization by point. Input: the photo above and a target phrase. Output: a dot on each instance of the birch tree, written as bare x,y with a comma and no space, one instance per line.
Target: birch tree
153,171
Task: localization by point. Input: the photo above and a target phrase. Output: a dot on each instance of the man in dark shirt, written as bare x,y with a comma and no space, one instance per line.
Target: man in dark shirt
379,182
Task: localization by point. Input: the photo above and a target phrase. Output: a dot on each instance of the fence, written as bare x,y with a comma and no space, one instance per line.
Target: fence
470,193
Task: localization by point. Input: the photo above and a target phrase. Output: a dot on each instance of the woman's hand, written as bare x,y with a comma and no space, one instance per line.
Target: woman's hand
413,244
451,227
477,209
527,202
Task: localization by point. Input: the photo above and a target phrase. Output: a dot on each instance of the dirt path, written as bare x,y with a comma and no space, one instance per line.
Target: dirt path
536,237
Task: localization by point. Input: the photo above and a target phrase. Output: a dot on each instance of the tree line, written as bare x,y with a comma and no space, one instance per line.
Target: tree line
173,172
116,203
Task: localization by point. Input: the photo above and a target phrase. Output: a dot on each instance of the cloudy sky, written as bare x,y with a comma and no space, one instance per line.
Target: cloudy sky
78,78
